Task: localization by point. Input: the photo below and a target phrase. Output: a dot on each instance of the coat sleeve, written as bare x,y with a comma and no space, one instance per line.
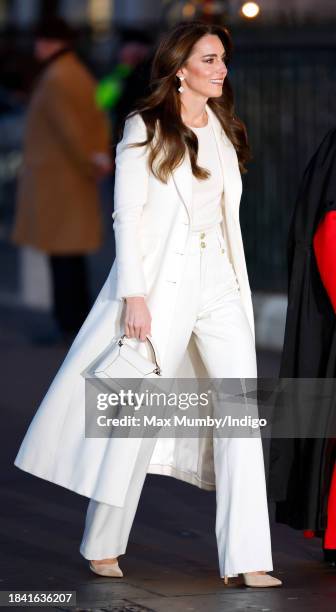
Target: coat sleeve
325,252
81,127
130,196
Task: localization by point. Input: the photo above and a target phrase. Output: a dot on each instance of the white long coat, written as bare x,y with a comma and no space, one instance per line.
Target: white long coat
152,228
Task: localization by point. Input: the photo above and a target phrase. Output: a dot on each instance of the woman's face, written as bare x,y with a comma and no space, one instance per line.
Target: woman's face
205,68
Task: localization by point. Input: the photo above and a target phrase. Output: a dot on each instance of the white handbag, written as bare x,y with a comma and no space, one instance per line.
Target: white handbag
119,360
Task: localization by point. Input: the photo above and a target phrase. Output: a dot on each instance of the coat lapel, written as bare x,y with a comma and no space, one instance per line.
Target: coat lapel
229,164
182,177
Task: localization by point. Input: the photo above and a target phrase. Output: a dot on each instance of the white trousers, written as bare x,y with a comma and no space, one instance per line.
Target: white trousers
208,306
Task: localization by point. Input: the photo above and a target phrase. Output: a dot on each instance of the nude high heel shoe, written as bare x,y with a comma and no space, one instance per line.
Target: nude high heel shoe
112,570
258,580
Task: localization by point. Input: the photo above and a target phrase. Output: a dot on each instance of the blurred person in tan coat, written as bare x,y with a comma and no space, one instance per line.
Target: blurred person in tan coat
66,152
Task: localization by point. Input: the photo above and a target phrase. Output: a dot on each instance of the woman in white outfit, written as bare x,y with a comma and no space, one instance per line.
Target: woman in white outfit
180,277
189,69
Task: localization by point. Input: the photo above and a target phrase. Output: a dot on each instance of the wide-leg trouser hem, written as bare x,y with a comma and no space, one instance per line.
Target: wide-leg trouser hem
92,555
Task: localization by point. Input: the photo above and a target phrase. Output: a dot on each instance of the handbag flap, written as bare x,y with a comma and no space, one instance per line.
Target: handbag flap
124,359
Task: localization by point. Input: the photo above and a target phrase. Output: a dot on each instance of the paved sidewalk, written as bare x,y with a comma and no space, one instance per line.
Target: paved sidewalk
171,561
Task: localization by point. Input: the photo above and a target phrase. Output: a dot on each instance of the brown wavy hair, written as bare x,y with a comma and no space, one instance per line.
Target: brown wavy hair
161,109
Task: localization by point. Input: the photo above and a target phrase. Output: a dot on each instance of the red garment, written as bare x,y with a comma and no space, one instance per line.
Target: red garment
330,534
325,253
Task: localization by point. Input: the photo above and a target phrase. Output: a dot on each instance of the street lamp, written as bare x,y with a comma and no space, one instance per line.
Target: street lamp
188,10
250,10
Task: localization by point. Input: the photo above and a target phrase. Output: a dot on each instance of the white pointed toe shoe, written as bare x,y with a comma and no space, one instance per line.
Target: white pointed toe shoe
258,581
261,580
112,570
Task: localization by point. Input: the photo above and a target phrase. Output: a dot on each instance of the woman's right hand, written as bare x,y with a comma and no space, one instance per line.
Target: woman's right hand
137,318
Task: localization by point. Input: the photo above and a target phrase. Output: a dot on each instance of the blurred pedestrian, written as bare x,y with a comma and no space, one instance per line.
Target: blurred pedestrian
137,52
66,151
120,91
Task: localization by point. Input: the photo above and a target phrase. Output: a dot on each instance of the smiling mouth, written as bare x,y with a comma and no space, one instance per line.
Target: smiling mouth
217,82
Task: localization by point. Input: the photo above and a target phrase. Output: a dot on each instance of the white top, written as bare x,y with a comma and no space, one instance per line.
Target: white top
207,194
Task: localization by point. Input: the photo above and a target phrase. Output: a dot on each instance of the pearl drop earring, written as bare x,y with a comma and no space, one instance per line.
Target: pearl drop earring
181,88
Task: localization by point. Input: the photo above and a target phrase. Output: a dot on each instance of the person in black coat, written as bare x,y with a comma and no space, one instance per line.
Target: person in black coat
310,340
302,471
